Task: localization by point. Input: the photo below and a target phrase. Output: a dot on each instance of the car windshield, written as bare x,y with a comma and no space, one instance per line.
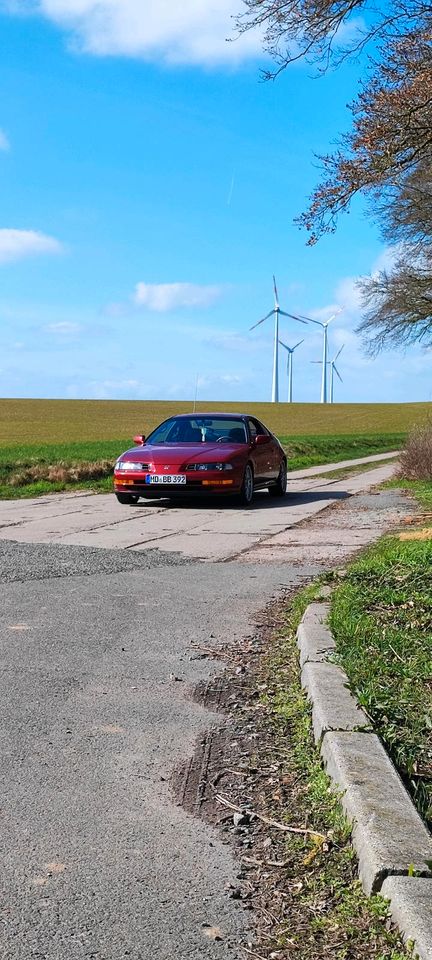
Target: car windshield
196,429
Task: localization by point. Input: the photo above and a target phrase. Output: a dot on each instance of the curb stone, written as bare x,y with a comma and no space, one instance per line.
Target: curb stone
389,836
333,706
314,640
411,909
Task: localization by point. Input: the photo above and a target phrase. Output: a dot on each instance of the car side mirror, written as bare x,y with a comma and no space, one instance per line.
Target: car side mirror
139,439
261,438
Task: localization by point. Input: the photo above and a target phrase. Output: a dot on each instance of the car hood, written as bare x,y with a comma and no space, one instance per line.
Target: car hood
180,453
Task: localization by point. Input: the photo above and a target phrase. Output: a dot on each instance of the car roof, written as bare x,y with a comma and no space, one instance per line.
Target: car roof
214,413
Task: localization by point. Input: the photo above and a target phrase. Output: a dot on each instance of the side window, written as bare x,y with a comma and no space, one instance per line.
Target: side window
260,428
252,424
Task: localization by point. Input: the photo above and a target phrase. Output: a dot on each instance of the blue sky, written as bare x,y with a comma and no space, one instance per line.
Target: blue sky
149,182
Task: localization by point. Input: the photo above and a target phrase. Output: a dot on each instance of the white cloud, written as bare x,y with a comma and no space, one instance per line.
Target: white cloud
116,388
192,31
63,328
17,244
220,378
162,297
4,141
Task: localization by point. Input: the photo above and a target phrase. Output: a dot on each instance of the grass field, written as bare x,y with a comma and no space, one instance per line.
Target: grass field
74,421
83,438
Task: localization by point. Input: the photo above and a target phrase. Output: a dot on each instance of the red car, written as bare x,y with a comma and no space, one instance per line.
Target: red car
214,453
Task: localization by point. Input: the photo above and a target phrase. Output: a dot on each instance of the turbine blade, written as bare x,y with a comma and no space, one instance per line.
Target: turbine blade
284,345
292,316
275,292
334,315
311,320
339,353
297,345
262,320
315,361
337,372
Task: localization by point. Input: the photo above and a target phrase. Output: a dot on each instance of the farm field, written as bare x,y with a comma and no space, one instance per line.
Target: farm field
73,421
53,445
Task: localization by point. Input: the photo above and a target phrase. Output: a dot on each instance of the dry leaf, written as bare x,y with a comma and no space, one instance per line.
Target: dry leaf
213,933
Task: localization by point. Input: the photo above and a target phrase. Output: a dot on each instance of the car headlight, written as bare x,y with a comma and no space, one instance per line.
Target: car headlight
209,466
129,465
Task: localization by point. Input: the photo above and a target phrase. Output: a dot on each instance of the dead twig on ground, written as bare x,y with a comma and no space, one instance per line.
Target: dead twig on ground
269,821
257,956
211,652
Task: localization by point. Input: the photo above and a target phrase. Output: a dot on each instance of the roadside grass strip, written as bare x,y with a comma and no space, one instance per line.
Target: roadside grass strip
421,490
381,619
33,469
317,901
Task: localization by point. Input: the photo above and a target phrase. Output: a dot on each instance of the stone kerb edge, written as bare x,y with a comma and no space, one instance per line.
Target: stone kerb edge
389,836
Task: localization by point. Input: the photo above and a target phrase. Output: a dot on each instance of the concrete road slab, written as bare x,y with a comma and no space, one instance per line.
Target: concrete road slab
204,530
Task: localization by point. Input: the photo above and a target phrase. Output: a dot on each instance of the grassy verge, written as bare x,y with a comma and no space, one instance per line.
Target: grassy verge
381,616
421,490
29,470
344,472
325,913
316,450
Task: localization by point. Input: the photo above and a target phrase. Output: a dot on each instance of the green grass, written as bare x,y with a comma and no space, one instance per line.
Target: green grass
328,916
316,450
74,421
381,616
421,490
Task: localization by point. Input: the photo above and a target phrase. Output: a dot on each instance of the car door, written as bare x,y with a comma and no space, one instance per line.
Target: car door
260,452
271,451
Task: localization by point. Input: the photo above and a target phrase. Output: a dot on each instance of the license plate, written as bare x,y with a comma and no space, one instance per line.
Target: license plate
173,478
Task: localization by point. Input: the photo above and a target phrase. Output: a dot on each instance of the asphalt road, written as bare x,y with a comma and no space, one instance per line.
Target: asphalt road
97,667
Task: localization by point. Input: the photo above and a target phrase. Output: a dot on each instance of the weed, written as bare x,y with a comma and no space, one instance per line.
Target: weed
416,457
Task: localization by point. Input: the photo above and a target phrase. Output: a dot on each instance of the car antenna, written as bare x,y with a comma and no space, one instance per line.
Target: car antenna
196,393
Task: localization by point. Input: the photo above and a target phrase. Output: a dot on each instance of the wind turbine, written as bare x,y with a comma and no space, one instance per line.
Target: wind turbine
324,324
334,370
290,351
276,312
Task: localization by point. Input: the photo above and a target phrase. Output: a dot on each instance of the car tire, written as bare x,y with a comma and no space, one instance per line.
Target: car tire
279,488
129,498
247,488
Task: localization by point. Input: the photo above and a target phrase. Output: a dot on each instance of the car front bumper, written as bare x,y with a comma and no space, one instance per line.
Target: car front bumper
205,486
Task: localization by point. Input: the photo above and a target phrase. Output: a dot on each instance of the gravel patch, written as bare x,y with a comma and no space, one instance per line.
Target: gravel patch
21,562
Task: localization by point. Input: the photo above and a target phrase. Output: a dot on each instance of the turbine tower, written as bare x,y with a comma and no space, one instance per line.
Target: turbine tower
334,370
324,324
276,312
290,351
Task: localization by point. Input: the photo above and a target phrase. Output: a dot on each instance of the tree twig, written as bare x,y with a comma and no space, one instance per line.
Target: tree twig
269,821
